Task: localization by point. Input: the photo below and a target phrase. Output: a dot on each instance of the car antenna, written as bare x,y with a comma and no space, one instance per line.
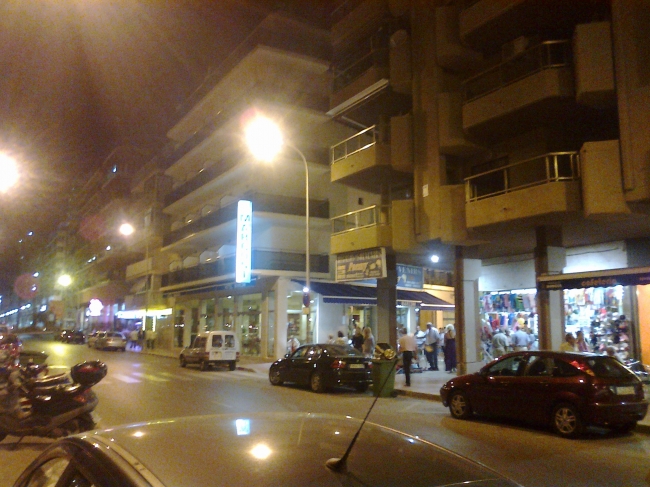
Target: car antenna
340,464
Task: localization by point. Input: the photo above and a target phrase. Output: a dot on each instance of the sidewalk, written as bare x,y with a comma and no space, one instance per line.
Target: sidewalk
424,385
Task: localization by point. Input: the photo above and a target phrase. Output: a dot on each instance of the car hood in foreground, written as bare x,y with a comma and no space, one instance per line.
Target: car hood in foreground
286,449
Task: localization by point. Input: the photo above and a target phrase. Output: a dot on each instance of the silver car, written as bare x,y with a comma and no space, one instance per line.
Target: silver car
110,340
261,450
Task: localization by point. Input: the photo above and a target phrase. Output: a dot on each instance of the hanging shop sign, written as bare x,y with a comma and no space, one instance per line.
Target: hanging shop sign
244,241
369,264
410,276
614,277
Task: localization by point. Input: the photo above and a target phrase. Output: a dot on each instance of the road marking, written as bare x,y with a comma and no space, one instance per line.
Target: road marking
176,377
125,378
149,377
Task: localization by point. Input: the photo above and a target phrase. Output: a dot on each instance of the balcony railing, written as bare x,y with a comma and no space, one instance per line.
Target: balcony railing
366,217
202,178
547,55
261,203
263,260
545,169
358,142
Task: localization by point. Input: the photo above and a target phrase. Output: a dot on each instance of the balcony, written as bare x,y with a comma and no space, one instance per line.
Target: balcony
261,203
261,260
488,24
531,88
201,179
364,161
542,186
367,228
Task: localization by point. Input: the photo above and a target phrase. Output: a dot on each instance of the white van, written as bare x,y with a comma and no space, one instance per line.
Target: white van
212,348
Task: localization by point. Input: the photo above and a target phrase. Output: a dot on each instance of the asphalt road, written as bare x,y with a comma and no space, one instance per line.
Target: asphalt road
144,387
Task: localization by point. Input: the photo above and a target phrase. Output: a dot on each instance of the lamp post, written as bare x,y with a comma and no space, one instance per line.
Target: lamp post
127,229
264,139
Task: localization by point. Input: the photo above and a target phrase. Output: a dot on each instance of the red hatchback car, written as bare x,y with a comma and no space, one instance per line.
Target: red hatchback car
567,390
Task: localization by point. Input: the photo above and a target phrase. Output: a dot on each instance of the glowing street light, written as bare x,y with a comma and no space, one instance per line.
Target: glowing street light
8,172
126,229
64,280
264,140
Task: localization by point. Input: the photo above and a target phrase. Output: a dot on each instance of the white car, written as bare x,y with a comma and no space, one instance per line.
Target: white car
110,340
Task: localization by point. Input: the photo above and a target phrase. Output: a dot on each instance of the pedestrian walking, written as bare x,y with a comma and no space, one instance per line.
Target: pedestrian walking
408,348
450,349
133,339
431,342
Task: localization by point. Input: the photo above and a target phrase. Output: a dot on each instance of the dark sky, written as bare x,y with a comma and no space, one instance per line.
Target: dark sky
79,78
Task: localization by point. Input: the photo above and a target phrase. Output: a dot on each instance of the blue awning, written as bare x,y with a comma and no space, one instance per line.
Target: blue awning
340,293
345,293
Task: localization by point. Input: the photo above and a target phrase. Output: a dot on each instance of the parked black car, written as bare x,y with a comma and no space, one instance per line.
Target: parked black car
74,336
323,365
566,390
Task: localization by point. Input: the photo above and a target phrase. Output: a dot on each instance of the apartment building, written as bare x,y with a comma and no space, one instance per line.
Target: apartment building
506,136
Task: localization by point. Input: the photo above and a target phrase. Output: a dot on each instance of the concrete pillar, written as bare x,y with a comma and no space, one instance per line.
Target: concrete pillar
468,324
550,258
281,291
387,303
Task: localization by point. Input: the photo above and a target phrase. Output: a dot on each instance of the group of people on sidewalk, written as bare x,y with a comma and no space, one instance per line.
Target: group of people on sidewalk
434,341
138,338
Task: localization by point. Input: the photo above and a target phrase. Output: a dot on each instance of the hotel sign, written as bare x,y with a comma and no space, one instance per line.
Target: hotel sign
244,241
354,266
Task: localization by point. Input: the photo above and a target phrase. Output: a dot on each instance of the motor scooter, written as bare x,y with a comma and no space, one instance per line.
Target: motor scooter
56,408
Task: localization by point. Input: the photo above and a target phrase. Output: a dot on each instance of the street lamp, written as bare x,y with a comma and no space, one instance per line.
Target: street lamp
127,229
264,140
8,172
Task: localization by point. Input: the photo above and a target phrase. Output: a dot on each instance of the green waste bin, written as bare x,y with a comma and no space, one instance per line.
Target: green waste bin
383,370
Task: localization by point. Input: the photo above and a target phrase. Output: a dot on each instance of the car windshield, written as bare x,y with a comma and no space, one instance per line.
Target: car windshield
608,367
342,350
115,335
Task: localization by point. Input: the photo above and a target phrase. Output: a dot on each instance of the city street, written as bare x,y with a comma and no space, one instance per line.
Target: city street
142,387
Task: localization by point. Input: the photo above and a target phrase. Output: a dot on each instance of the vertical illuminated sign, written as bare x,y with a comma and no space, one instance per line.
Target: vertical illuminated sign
244,241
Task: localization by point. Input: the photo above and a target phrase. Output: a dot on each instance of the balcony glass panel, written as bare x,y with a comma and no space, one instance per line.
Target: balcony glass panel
545,169
366,217
358,142
549,54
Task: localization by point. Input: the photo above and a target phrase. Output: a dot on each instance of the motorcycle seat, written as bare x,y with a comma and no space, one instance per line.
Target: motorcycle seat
50,380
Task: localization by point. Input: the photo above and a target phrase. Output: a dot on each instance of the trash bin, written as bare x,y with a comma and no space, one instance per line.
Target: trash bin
383,371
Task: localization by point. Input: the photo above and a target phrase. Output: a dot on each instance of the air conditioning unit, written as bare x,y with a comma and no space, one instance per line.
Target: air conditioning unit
514,47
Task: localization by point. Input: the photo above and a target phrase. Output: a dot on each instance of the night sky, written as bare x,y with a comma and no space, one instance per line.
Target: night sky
80,77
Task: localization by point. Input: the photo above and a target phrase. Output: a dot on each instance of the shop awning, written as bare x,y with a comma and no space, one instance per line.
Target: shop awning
367,295
426,300
637,276
345,293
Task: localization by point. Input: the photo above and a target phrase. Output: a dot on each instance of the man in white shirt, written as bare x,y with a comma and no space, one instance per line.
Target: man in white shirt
408,347
431,342
519,339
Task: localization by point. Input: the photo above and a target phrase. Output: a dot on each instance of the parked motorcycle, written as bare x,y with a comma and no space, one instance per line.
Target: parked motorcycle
54,407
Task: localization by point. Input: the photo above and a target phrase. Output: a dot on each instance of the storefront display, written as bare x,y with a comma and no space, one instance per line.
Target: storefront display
509,308
601,313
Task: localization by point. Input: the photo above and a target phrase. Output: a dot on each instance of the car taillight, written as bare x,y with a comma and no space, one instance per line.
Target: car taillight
338,364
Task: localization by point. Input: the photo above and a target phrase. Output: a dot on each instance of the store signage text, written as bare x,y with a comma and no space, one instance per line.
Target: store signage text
410,276
361,265
244,241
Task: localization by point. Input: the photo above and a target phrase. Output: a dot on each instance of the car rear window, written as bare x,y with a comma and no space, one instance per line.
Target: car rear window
343,350
608,367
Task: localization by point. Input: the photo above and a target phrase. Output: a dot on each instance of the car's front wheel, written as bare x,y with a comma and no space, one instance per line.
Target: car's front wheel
274,376
183,362
566,421
232,365
459,405
317,382
203,365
